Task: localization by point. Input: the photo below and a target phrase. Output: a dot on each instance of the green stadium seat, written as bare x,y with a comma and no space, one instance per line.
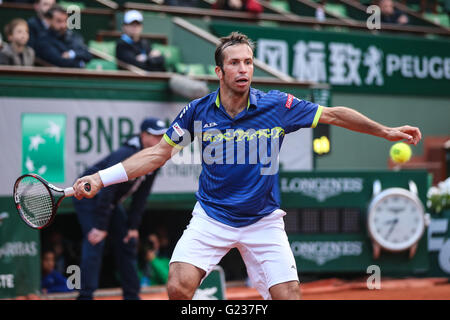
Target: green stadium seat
66,4
441,18
211,70
100,64
194,69
172,54
338,9
108,47
281,5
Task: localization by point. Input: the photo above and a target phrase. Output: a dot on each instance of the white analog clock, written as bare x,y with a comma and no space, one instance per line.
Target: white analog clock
396,221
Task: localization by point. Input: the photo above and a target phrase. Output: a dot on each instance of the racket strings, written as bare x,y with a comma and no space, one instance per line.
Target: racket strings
35,201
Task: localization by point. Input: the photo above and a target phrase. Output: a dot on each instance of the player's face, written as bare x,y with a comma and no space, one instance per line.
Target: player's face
237,72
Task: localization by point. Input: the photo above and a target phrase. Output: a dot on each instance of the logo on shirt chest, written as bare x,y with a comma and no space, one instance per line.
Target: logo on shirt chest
209,125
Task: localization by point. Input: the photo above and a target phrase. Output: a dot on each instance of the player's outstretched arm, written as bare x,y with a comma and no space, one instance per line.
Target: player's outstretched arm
353,120
139,164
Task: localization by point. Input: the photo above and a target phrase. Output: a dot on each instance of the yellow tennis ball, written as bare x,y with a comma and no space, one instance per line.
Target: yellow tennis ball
400,152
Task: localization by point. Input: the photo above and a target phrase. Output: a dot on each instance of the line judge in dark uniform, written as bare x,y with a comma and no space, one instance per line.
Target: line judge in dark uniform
104,216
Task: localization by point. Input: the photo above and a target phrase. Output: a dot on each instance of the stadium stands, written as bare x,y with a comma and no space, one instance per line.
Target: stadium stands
187,36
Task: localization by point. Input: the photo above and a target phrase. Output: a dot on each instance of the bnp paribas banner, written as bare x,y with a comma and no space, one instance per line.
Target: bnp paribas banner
353,61
59,138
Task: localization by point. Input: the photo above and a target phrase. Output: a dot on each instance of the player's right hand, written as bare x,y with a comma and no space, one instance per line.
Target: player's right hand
95,182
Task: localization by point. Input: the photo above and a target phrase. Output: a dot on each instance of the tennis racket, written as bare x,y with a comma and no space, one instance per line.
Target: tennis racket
37,200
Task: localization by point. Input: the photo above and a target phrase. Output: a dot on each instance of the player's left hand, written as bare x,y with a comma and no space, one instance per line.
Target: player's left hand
132,233
411,135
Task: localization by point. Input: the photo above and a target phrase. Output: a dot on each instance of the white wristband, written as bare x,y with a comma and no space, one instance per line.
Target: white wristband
113,175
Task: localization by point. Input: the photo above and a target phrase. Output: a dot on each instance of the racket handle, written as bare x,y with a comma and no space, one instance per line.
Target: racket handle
68,192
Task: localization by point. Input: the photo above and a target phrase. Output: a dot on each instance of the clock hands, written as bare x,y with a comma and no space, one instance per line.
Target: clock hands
393,223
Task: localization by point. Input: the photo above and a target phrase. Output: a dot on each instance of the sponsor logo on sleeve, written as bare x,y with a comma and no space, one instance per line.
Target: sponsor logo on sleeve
178,129
289,100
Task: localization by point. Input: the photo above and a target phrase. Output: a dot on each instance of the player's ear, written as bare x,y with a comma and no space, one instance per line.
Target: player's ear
219,72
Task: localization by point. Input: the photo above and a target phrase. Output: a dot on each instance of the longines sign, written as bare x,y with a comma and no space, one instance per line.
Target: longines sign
321,188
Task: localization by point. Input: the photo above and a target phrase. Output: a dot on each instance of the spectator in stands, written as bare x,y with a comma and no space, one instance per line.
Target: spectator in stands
389,14
18,1
3,59
162,236
252,6
132,49
181,3
60,46
39,24
320,11
56,243
52,281
16,52
154,268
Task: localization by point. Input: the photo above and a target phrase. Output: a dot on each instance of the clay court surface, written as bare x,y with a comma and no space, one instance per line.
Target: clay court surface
329,289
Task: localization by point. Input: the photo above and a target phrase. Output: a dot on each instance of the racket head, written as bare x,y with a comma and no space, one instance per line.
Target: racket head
34,201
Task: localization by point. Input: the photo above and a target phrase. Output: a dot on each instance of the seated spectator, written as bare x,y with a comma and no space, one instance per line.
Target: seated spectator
52,281
39,24
16,52
134,50
320,11
3,58
154,267
18,1
181,3
252,6
389,14
60,46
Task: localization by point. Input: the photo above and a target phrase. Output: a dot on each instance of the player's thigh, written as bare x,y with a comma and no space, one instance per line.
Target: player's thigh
204,242
267,254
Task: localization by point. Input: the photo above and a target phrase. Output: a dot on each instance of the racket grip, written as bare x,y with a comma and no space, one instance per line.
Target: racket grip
69,192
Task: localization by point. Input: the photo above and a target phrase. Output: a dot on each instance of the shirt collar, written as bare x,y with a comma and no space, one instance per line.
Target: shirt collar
251,99
126,38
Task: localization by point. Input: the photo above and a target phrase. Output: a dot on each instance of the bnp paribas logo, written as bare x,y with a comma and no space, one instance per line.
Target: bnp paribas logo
43,138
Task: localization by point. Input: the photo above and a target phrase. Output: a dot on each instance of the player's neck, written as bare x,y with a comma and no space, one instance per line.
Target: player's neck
233,102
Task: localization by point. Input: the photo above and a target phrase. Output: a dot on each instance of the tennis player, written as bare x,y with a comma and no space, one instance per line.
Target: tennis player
238,198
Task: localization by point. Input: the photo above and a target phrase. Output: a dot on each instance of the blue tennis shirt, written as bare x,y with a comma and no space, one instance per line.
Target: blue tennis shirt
238,184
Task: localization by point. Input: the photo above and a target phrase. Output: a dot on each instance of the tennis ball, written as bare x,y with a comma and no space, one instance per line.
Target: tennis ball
400,152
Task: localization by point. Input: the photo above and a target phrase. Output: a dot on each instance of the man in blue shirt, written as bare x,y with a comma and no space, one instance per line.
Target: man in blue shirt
241,131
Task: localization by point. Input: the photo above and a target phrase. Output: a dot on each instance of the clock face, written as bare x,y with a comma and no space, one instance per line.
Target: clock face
396,219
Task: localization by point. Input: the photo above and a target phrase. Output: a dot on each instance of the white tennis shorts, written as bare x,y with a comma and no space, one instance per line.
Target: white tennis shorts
263,245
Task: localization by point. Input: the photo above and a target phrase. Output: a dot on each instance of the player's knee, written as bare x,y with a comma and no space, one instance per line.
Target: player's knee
183,280
180,289
286,291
